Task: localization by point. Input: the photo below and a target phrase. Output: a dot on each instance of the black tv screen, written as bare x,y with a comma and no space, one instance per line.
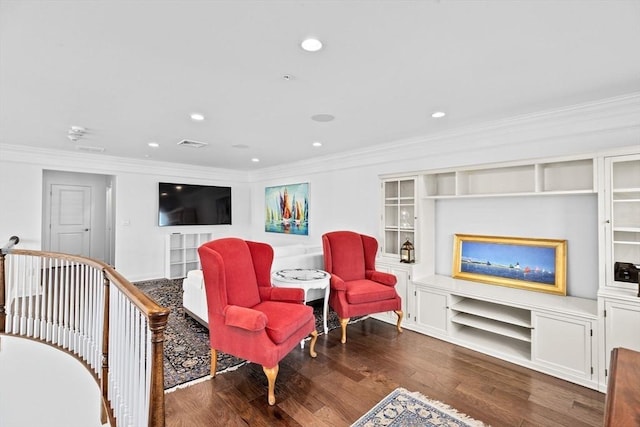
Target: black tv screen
187,204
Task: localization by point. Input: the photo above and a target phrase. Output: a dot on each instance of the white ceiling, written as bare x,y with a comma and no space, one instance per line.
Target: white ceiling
131,72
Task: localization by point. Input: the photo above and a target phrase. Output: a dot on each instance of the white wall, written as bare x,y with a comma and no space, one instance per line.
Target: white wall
344,190
20,202
139,241
344,199
350,199
566,217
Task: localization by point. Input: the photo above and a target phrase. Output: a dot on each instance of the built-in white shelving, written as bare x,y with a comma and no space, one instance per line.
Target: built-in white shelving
502,314
566,336
399,214
500,321
182,253
618,300
622,215
558,177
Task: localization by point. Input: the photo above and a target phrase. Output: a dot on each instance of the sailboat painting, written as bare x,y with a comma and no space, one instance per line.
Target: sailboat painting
287,209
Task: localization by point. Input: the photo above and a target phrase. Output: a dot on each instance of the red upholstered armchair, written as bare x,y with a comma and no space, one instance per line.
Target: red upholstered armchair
357,288
248,317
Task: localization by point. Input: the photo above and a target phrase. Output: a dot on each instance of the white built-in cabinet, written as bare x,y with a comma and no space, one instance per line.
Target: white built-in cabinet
565,336
566,344
181,255
550,333
620,318
622,216
618,300
403,272
399,215
431,310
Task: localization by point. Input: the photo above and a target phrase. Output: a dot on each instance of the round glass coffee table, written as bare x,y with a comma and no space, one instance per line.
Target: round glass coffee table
306,279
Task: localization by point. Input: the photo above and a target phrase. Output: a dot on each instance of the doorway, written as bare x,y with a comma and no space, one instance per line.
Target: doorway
78,214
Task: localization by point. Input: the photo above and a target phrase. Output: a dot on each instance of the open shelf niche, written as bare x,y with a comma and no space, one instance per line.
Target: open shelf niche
182,253
556,177
499,327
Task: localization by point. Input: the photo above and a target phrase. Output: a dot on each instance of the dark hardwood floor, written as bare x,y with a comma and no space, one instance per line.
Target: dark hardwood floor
345,381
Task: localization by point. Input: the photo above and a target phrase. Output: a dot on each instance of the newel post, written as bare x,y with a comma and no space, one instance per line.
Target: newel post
157,325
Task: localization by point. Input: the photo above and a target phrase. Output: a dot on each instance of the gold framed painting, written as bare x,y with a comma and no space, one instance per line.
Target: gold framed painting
518,262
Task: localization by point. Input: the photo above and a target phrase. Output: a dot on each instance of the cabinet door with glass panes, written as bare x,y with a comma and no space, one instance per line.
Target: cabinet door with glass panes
398,215
623,220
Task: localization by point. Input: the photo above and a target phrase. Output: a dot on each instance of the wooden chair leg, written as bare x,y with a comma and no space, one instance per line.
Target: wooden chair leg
312,345
214,361
400,316
271,374
343,326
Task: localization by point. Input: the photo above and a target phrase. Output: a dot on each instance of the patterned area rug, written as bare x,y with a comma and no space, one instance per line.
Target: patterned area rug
187,354
404,408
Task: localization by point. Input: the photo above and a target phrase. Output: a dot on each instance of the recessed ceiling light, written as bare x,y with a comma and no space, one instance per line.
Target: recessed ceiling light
153,145
288,77
311,45
322,117
438,114
197,117
255,160
317,144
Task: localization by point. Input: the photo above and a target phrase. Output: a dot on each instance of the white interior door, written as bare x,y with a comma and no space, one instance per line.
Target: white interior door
71,219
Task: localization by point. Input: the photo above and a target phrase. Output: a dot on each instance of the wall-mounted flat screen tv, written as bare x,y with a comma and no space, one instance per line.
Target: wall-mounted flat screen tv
188,204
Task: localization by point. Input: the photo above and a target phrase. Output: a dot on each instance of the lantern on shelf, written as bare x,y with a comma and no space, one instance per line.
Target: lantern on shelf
407,252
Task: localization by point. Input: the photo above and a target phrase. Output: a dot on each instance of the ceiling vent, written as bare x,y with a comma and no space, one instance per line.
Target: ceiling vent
192,144
90,149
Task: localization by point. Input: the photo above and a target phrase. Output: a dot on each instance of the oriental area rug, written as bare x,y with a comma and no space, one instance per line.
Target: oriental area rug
187,355
402,408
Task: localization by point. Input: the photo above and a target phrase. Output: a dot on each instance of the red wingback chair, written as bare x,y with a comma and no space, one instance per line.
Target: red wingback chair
248,317
357,288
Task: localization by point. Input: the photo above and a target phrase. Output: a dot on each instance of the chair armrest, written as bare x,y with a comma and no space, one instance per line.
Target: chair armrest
381,277
244,318
294,295
337,284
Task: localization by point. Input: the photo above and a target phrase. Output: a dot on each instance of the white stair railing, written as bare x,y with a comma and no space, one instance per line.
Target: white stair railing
86,308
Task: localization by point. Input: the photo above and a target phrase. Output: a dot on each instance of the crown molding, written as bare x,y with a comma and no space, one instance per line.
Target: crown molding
592,126
109,165
587,127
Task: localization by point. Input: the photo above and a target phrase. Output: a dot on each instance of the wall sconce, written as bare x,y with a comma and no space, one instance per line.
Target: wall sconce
407,252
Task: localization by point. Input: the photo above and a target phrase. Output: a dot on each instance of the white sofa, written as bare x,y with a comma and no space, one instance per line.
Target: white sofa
194,299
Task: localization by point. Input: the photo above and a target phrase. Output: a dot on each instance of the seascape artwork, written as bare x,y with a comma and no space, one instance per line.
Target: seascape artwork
529,263
287,209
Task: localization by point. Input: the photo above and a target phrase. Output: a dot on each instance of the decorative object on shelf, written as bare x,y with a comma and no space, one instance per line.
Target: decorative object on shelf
518,262
625,272
407,252
287,209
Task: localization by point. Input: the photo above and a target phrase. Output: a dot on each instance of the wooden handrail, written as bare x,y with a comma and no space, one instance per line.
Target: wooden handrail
155,315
